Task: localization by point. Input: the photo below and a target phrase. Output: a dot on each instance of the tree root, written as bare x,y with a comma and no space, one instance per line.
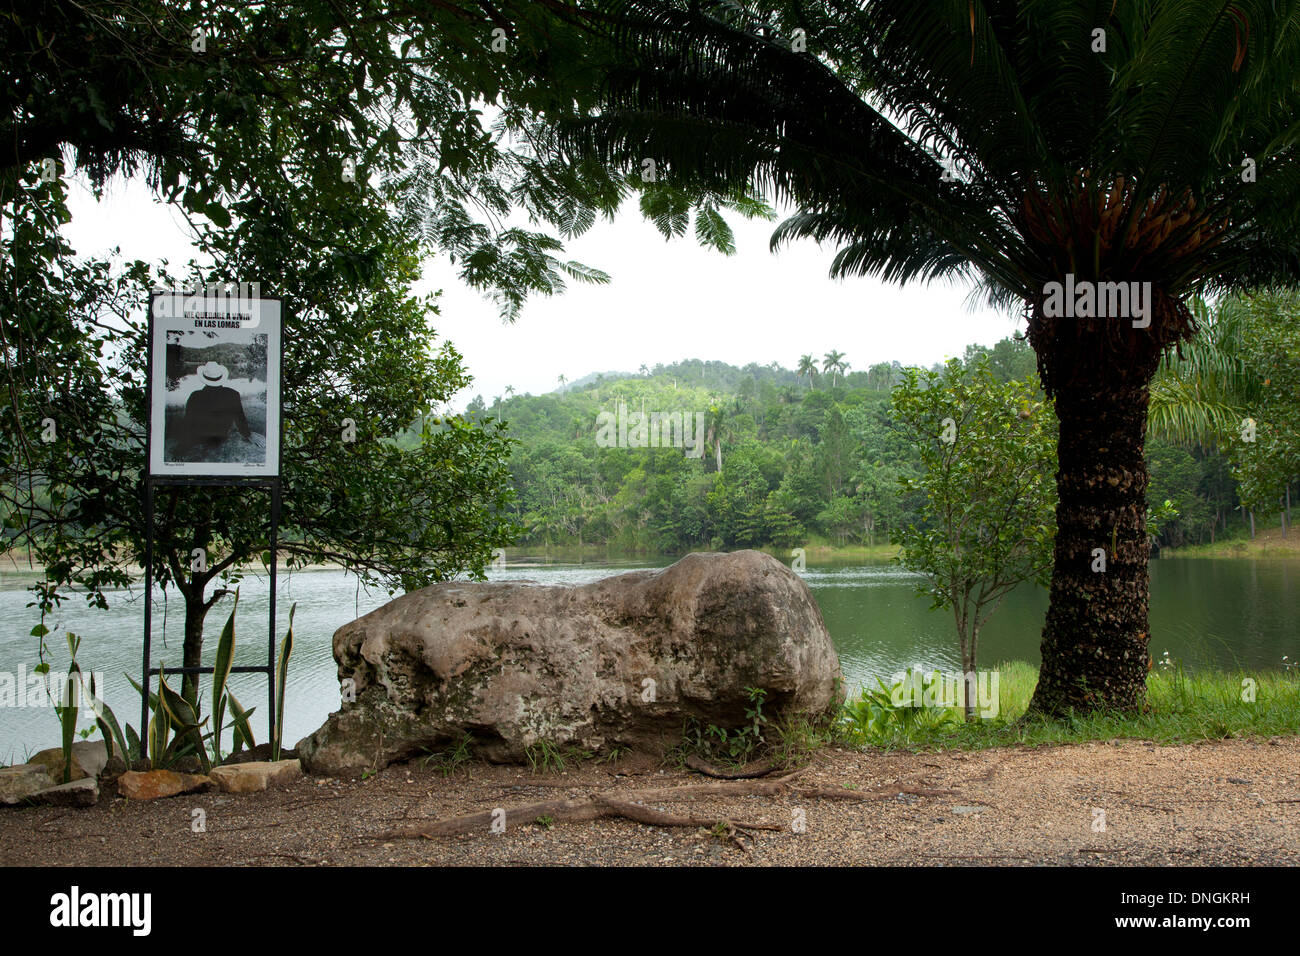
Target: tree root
633,805
700,765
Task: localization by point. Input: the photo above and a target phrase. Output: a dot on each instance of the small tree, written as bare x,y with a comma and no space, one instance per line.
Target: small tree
989,456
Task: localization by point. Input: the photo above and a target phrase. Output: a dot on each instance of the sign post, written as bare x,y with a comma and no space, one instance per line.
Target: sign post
213,420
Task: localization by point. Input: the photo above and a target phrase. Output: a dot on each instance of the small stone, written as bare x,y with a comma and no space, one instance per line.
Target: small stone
75,793
88,760
256,776
20,782
966,811
154,784
1238,780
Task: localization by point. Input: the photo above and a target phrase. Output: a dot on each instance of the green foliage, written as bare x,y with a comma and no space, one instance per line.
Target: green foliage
281,682
176,729
785,446
1183,707
798,735
988,451
450,759
1011,144
546,756
221,673
874,718
1203,390
76,693
613,755
1268,465
250,139
734,746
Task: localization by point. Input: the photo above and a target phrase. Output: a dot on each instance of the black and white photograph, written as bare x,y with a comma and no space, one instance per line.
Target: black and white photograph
215,387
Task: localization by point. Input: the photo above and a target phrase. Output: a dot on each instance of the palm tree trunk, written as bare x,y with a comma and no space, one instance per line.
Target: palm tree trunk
1095,637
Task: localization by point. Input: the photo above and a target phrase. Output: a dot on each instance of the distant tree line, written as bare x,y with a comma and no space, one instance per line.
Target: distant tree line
792,457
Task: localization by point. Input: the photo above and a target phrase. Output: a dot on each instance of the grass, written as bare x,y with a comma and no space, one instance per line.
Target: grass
613,755
1183,707
451,759
1268,543
545,756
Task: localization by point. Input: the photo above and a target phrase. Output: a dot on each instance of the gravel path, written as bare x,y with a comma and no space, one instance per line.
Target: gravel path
1233,802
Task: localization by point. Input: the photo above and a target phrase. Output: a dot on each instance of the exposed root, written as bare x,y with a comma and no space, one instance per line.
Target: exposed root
700,765
636,805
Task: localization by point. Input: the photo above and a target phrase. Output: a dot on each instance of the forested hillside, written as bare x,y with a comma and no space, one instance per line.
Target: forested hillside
790,458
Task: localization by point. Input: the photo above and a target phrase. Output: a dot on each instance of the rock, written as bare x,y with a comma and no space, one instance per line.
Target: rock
153,784
88,759
115,767
254,776
19,782
74,793
966,811
621,661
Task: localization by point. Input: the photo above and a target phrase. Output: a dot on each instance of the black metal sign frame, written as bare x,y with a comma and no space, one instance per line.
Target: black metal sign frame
270,483
151,482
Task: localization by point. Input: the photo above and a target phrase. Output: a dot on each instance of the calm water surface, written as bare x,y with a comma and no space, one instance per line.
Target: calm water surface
1215,612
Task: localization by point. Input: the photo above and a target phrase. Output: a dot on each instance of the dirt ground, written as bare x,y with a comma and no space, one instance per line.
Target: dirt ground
1227,803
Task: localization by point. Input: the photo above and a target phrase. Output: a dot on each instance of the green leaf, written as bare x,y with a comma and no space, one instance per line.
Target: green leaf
281,677
133,745
243,730
221,673
218,214
159,731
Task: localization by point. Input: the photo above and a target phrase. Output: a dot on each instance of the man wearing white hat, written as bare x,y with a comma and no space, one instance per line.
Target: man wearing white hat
212,410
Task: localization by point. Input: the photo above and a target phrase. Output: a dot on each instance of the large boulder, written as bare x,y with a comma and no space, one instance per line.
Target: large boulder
620,662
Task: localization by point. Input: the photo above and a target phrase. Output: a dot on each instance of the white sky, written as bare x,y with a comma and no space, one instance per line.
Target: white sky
667,301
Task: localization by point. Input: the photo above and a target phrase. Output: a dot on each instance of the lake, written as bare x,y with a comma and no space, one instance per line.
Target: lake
1230,612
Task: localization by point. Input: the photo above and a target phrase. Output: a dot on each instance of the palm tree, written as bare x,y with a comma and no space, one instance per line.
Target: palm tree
1017,144
645,371
833,363
562,380
808,366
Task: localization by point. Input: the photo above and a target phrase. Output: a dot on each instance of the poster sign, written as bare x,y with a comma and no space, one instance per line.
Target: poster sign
214,385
